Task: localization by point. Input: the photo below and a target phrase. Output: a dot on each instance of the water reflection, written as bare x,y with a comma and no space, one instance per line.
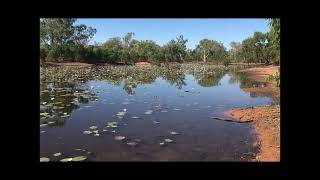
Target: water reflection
59,99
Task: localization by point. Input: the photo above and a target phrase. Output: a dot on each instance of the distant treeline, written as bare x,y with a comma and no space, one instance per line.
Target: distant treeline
62,41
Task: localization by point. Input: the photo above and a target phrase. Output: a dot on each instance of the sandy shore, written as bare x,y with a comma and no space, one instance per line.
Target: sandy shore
265,118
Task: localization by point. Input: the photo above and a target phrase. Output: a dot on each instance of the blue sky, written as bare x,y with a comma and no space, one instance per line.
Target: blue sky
163,30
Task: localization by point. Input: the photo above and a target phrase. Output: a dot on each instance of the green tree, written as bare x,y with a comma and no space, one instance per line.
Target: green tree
211,50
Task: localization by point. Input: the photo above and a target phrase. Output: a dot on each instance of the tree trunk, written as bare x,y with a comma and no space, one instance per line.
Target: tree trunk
204,57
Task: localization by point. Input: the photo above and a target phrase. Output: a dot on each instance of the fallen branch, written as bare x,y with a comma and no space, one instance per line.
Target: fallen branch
230,120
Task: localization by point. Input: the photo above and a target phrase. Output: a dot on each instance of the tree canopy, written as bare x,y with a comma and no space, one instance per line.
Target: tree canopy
62,41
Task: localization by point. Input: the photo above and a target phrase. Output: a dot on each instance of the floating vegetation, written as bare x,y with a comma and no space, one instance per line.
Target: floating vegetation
43,125
162,144
93,127
121,114
135,117
176,109
174,133
66,160
57,154
79,158
112,124
44,159
42,132
87,132
132,143
148,112
119,138
168,140
44,114
156,122
164,111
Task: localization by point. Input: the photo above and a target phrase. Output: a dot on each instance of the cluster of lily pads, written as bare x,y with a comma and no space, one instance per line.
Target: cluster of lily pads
67,159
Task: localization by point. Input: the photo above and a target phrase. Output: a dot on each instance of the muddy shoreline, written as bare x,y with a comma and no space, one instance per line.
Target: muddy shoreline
266,119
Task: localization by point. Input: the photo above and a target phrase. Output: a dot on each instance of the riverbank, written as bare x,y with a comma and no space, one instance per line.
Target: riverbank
265,118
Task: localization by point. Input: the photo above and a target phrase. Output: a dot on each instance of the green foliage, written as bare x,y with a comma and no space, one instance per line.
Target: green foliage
61,40
275,78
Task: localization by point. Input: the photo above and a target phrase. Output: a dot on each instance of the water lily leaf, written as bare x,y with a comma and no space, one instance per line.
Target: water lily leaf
42,125
50,122
44,114
104,130
135,117
42,131
162,144
113,131
119,138
87,132
148,112
66,160
168,140
79,158
65,116
132,143
96,134
156,122
57,154
164,111
52,98
44,159
93,127
174,133
176,109
121,113
44,103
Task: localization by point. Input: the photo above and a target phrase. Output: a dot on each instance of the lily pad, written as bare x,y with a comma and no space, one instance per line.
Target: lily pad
96,131
174,133
42,125
87,132
57,154
42,131
135,117
44,114
44,159
114,131
119,138
132,143
65,116
162,144
164,111
176,109
96,134
50,122
121,113
148,112
168,140
93,127
156,122
79,158
66,160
